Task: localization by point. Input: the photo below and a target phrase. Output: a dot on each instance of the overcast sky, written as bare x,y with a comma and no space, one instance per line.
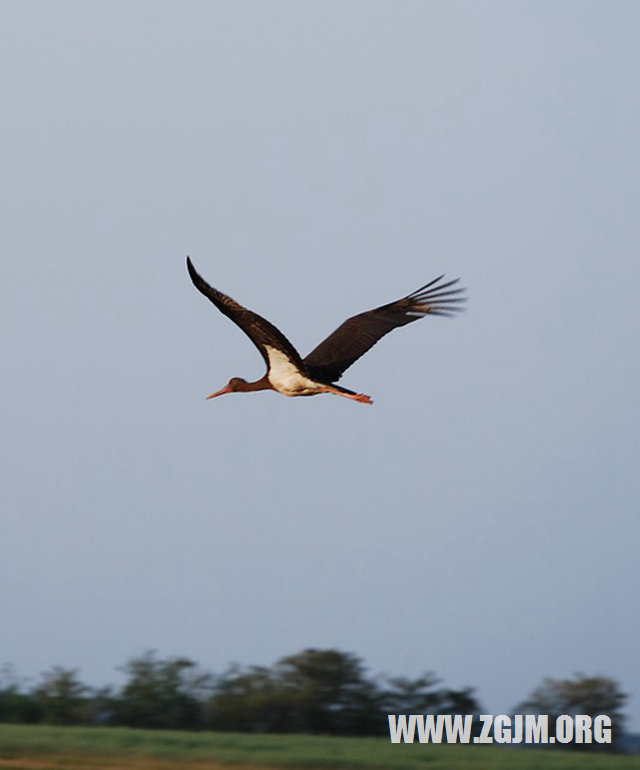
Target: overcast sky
317,159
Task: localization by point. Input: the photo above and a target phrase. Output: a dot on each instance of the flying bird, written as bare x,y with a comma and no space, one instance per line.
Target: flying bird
290,374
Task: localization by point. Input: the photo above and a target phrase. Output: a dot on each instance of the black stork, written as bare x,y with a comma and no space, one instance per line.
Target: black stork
292,375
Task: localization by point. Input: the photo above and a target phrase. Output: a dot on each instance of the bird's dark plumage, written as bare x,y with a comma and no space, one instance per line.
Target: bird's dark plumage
358,334
258,329
290,374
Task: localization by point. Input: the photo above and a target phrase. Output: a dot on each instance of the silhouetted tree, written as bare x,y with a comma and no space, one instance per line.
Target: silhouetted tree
420,696
326,691
582,694
16,705
411,696
62,696
317,691
459,701
161,693
247,700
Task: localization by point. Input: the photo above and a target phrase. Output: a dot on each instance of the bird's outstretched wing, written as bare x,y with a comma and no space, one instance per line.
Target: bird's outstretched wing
258,329
356,335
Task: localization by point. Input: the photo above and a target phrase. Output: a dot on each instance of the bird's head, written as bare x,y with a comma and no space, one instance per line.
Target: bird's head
235,384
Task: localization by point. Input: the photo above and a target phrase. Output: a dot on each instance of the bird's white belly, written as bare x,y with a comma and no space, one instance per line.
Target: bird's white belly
285,377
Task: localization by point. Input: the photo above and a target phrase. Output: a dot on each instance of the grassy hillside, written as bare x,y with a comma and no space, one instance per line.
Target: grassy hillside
56,748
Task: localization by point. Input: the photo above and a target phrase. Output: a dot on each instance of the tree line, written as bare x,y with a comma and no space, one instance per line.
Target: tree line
314,691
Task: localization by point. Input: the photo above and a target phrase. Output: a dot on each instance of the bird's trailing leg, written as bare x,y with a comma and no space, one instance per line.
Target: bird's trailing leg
361,397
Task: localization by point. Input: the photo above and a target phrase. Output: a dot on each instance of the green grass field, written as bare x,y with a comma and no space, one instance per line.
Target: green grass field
25,747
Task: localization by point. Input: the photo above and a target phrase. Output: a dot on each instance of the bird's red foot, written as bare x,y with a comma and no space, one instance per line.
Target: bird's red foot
363,399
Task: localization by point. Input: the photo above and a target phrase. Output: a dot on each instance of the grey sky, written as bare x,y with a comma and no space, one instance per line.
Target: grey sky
316,159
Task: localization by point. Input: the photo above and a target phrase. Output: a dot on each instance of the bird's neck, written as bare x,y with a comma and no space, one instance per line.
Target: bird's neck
261,384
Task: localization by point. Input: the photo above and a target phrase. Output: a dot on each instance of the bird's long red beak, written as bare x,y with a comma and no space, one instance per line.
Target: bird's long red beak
220,392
